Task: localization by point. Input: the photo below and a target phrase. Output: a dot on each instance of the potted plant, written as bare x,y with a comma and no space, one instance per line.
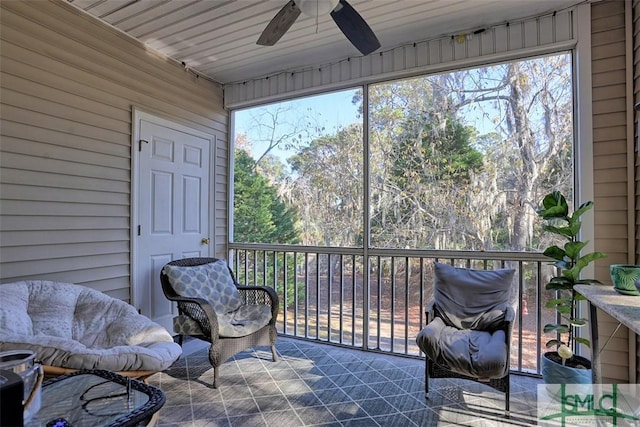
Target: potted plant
563,366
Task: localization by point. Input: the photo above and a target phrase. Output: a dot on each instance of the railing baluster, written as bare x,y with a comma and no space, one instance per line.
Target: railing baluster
264,268
353,303
295,293
275,270
245,259
318,295
421,290
341,334
306,295
539,318
246,267
329,293
254,270
285,291
520,320
393,303
379,301
407,267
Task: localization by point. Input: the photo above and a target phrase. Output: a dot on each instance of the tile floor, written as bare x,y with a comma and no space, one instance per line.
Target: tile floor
322,385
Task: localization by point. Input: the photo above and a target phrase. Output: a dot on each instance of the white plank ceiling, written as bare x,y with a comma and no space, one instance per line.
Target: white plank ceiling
217,38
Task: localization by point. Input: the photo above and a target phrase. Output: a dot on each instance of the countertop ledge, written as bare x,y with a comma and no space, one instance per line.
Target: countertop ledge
624,308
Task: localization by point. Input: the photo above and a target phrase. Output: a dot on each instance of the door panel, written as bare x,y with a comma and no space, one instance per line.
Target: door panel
160,308
172,199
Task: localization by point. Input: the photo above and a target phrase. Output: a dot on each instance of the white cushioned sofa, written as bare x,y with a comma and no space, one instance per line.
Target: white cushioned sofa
73,327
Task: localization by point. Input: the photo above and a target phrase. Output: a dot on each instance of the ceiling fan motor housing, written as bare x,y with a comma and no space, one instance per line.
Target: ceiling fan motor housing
317,7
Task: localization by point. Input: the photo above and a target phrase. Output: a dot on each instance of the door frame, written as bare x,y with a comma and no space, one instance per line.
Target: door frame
175,123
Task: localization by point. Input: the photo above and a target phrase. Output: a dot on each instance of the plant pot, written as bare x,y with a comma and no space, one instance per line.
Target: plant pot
554,372
625,278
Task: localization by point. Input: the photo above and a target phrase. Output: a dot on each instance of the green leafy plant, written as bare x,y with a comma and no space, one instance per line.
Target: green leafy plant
570,263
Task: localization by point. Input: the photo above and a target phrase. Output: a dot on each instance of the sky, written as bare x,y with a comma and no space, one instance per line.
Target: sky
331,111
334,110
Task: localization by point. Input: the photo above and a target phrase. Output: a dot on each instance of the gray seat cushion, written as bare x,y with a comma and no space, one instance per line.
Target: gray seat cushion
76,327
465,351
213,283
472,307
471,299
242,322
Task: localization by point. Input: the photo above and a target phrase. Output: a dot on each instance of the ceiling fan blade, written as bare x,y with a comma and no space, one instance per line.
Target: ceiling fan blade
355,28
279,25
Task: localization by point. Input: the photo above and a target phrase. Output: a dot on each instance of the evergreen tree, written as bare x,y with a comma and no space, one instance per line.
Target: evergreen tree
435,148
259,215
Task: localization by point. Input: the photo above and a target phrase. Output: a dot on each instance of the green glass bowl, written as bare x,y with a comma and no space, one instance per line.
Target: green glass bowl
625,278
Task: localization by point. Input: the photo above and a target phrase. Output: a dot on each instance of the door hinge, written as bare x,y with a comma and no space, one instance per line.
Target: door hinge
139,228
140,144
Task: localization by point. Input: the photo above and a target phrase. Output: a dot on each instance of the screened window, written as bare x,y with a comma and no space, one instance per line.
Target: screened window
298,172
457,160
460,160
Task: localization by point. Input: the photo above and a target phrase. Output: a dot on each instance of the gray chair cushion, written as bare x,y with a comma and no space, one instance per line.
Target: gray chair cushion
185,325
472,299
244,321
472,307
211,282
474,353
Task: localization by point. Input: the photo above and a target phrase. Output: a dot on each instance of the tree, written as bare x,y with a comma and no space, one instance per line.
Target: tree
259,214
327,183
422,165
280,126
429,174
530,103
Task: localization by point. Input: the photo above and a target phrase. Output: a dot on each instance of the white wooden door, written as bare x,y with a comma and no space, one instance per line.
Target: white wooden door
173,210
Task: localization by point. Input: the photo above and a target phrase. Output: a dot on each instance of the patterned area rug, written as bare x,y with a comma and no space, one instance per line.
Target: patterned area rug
322,385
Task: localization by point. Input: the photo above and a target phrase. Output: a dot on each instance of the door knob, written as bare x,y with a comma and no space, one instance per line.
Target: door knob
205,241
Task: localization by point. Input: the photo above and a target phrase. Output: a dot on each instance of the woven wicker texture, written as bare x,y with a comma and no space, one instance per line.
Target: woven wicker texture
222,348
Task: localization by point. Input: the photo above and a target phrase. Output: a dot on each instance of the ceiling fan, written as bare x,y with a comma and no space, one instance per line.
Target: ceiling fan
344,15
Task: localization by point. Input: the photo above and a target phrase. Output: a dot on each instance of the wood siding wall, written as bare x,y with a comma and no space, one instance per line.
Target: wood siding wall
68,86
610,107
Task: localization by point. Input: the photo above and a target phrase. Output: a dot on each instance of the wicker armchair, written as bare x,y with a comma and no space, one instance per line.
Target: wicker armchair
198,317
469,325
